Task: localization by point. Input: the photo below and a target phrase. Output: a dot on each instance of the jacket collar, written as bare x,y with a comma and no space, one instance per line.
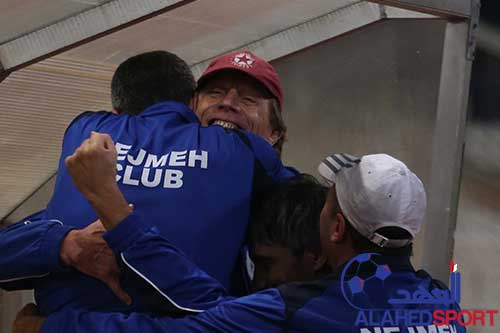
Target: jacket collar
171,107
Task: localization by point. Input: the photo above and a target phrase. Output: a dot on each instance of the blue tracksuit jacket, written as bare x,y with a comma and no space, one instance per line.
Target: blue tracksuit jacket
332,304
193,183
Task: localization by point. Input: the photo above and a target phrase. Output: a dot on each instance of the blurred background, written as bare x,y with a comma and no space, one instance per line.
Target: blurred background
477,244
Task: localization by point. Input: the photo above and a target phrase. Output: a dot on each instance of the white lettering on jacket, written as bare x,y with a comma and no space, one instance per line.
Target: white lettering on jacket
142,168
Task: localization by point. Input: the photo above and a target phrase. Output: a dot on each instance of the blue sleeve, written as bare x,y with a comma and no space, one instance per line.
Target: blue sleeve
159,275
86,122
77,131
30,249
260,312
267,158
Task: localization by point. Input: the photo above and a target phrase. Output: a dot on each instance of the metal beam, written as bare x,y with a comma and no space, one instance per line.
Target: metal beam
447,153
317,30
3,75
293,39
36,201
446,8
390,12
79,29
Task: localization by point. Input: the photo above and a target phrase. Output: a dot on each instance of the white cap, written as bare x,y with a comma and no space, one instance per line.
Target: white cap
377,191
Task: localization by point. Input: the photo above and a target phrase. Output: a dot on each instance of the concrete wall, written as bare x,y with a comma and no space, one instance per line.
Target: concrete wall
374,90
477,239
10,303
34,203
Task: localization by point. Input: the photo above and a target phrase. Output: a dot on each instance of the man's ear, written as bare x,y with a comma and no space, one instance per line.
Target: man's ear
338,229
114,111
193,103
274,137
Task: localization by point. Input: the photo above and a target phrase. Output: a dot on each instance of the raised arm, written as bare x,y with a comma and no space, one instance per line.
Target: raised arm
159,275
156,273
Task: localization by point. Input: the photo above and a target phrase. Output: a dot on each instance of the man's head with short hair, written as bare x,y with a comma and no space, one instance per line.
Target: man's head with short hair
149,78
284,234
375,204
241,90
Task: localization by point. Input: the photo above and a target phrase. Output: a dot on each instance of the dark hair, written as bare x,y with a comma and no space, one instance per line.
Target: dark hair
278,124
288,215
150,78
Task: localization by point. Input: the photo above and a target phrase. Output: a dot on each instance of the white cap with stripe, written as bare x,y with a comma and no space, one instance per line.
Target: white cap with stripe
377,191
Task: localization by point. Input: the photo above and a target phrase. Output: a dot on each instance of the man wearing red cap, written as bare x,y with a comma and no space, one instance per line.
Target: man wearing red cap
241,90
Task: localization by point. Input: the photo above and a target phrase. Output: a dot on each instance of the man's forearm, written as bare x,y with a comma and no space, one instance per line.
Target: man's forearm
93,169
110,205
158,273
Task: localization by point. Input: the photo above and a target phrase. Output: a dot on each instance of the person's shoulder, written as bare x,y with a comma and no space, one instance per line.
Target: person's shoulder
242,138
297,294
425,277
229,141
268,299
87,118
261,149
256,142
307,289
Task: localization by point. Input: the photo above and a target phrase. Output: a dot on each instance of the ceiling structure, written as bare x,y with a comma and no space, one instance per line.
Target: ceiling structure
38,101
18,18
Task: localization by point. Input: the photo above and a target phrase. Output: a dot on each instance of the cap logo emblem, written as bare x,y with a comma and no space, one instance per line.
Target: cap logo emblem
243,60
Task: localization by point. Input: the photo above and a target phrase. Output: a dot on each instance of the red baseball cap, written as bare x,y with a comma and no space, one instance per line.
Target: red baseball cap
250,64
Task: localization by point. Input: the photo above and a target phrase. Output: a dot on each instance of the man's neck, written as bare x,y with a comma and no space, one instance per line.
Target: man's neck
340,256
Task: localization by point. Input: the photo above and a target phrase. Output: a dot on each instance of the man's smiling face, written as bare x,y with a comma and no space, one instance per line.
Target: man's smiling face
235,100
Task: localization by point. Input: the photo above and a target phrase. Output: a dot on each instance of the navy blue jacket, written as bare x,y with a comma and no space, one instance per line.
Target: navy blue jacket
332,304
193,183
